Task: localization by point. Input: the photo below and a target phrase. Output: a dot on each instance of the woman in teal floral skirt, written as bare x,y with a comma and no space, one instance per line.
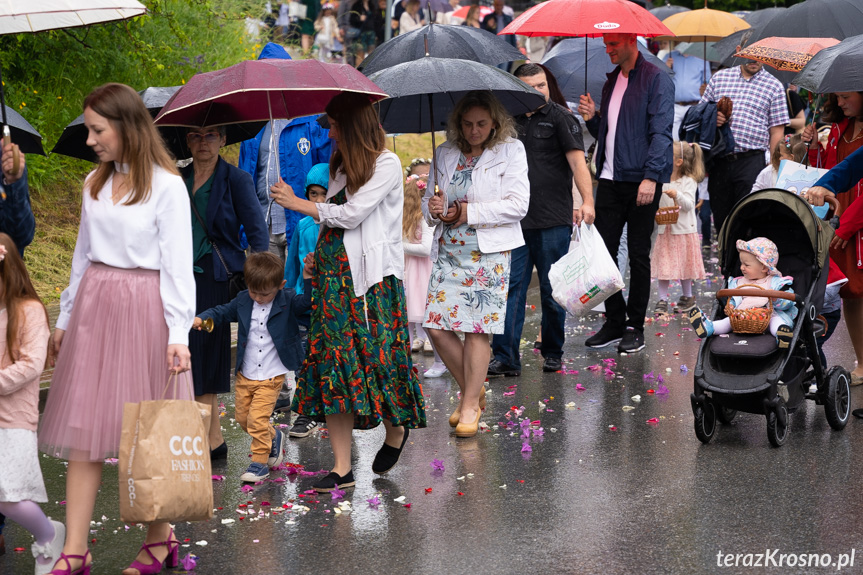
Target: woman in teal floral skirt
358,370
484,167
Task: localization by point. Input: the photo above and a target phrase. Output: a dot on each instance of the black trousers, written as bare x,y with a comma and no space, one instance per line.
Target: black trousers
615,206
731,178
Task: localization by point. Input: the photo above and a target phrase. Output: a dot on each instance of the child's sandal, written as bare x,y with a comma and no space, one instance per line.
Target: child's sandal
700,324
784,334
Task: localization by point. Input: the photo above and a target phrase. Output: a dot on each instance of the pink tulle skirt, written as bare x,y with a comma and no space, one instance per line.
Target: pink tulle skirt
417,273
676,257
113,352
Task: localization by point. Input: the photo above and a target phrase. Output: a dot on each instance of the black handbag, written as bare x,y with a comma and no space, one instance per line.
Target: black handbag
236,280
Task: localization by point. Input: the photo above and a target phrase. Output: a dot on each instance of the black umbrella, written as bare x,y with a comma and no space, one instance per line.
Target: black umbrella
73,140
838,19
663,12
424,92
460,42
23,134
757,19
835,69
567,62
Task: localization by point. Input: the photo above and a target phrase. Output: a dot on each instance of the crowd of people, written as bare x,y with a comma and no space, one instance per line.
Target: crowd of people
337,263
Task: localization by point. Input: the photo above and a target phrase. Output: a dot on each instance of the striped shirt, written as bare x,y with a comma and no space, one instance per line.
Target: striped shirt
759,104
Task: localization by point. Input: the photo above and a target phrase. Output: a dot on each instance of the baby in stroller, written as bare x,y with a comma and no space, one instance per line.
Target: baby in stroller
758,260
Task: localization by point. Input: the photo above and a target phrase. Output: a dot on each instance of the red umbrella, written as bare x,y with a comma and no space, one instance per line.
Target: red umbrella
588,18
260,90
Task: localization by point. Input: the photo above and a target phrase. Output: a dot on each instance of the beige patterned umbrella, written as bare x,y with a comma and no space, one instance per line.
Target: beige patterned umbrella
788,54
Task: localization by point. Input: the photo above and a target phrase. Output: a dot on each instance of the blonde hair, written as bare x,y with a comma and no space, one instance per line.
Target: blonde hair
693,160
504,126
142,144
792,144
412,212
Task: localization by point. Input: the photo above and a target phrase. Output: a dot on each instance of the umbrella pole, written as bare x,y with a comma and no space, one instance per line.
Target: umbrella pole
7,135
585,64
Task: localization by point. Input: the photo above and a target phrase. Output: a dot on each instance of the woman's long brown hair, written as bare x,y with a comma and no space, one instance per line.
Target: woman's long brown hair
142,145
17,289
361,138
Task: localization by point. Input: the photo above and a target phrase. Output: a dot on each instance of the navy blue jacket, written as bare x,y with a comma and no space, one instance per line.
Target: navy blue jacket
844,175
699,126
233,201
643,142
16,215
288,311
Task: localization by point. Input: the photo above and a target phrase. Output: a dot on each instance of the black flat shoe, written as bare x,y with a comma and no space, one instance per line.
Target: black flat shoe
388,456
220,452
333,480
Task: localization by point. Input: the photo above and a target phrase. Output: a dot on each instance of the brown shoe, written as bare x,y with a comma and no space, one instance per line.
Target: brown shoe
685,304
856,380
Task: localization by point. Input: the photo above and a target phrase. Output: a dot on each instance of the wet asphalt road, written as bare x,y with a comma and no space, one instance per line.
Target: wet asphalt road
600,491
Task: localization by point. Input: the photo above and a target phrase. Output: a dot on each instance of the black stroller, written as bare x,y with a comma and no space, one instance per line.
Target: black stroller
749,373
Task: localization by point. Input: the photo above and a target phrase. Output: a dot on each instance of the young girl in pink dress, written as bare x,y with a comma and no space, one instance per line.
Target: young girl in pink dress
417,240
677,252
23,348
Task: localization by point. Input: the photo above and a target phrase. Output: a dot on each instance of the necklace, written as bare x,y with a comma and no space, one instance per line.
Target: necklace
855,138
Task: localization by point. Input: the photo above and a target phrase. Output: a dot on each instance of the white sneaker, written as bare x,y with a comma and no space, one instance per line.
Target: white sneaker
436,370
50,552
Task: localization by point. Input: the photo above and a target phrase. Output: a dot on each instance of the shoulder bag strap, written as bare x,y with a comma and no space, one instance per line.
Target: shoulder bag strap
209,238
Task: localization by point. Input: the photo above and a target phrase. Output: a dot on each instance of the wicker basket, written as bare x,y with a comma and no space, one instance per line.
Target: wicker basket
755,320
668,215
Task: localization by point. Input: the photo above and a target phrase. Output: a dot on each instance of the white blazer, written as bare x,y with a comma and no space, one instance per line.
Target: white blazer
497,199
372,220
686,188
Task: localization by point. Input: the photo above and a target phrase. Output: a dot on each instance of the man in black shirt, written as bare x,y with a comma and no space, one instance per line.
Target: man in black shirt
555,157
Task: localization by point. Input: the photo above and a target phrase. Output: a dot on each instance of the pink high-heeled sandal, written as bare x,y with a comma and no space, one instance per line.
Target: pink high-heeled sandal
84,569
172,559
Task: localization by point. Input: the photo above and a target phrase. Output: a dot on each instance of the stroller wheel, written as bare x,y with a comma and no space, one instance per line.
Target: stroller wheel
837,399
725,415
777,432
705,421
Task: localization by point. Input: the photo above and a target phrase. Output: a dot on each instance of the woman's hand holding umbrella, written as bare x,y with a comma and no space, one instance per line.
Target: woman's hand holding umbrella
284,195
9,174
436,208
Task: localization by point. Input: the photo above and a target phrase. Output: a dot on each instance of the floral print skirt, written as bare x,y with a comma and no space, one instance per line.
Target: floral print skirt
359,357
467,288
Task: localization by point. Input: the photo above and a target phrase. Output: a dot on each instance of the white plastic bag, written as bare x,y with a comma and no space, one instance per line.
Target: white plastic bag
587,275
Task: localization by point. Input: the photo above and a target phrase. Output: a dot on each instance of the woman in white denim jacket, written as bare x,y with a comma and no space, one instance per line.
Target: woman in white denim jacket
358,371
483,166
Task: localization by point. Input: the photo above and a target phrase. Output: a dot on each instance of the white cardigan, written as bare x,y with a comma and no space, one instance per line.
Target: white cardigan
372,220
686,188
497,199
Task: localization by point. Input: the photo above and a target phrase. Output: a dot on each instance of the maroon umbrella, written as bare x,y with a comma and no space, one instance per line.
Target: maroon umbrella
259,90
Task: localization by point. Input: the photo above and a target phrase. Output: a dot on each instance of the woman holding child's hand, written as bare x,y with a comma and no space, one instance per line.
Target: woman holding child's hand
358,371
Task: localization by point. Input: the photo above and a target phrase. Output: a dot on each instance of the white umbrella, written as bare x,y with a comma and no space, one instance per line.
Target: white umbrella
18,16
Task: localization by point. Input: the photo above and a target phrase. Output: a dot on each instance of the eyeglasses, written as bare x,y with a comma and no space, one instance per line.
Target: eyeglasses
210,137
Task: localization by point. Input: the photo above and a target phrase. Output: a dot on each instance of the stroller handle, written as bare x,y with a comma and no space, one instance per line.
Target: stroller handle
768,293
834,204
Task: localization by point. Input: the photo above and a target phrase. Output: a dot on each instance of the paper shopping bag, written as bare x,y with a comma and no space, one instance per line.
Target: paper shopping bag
164,463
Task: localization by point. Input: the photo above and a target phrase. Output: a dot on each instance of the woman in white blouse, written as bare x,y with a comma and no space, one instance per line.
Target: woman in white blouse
125,317
358,371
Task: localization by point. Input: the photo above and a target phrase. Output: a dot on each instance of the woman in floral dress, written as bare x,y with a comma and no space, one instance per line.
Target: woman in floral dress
358,371
482,166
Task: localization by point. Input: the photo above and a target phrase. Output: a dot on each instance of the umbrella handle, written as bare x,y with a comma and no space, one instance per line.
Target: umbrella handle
449,219
16,157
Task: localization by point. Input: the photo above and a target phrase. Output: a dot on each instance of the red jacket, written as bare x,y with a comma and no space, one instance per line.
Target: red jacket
851,221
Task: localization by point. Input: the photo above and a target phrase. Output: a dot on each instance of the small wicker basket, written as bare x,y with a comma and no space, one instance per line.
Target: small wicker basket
754,320
668,215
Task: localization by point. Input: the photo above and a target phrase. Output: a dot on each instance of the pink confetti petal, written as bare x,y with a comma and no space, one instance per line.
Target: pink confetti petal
218,478
526,448
189,562
653,421
579,387
508,393
247,488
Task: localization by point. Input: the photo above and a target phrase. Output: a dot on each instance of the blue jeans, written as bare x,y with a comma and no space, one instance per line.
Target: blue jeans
542,248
